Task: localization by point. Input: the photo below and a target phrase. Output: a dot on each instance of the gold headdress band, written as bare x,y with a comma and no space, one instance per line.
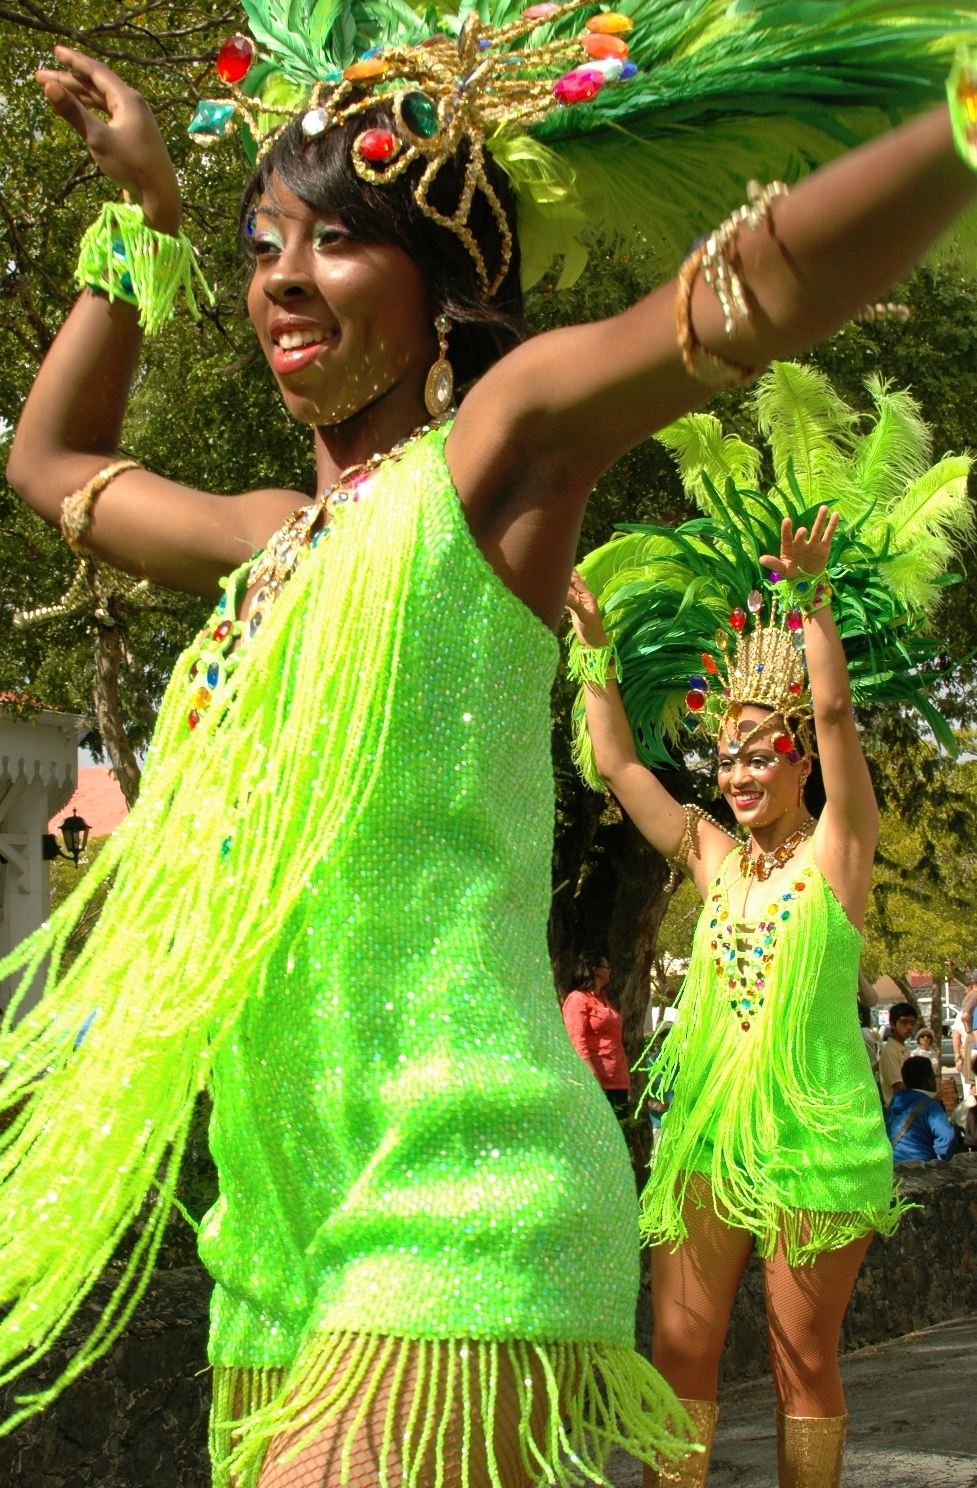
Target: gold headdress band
766,668
441,93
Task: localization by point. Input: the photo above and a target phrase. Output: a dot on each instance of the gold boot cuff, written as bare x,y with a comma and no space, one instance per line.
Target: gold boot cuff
810,1450
691,1473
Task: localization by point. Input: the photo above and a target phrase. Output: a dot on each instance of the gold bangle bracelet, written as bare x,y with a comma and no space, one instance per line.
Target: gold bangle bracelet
76,509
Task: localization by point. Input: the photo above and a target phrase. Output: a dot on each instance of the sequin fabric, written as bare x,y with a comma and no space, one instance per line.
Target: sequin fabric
774,1101
405,1139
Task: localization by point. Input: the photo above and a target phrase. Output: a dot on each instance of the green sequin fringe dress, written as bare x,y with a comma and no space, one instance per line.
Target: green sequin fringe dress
330,904
774,1102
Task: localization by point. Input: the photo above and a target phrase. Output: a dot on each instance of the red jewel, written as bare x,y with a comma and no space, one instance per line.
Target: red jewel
694,701
193,671
745,1027
782,744
234,58
709,663
223,631
794,687
377,144
193,718
738,619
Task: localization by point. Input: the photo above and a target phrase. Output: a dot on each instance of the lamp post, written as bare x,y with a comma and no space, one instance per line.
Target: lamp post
74,830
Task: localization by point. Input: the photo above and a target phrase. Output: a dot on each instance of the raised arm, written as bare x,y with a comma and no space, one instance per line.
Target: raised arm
655,813
72,421
534,435
848,829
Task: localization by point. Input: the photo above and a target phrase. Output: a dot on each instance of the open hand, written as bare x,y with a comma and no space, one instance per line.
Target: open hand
585,613
128,147
800,553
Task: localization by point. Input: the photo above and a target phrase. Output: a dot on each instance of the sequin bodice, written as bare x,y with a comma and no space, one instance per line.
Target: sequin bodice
406,1139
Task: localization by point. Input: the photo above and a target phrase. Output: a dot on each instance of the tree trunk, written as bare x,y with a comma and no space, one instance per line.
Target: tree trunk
577,822
109,658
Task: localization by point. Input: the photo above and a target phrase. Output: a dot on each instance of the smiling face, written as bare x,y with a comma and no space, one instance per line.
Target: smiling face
760,784
343,323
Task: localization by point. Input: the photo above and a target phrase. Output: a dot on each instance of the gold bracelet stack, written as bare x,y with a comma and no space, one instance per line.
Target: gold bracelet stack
77,509
679,861
713,257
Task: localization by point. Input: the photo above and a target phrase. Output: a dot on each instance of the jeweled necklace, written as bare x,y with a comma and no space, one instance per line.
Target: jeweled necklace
763,864
213,665
285,549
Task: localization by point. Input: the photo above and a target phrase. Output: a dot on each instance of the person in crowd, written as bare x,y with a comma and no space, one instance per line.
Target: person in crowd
919,1128
870,1039
963,1038
926,1046
902,1021
594,1027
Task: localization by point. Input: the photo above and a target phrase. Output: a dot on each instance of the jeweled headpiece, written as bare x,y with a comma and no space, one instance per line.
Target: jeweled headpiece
631,125
442,92
765,666
701,628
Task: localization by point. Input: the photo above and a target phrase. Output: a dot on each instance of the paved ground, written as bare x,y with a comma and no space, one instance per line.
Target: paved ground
912,1407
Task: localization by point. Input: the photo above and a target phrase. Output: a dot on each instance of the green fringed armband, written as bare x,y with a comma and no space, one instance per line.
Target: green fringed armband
129,261
808,593
961,92
593,664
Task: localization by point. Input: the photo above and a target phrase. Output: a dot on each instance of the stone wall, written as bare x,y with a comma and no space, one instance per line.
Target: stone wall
137,1419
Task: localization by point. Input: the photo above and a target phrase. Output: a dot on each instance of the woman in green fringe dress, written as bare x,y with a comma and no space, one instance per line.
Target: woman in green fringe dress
774,1138
333,867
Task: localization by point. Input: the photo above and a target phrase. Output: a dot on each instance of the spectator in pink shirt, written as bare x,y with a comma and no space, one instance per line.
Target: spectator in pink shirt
595,1030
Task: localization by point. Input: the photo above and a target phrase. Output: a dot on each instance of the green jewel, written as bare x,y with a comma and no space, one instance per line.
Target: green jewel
420,115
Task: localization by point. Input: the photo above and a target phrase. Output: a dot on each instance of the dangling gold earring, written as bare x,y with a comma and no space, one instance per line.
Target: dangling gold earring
800,790
439,390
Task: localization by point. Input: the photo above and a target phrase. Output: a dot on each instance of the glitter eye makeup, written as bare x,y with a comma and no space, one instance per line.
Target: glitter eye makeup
268,237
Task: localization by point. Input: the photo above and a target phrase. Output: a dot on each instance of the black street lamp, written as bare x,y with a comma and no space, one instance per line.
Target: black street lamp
74,830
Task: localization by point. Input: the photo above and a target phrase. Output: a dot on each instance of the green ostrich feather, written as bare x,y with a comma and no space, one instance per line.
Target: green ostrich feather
664,592
725,93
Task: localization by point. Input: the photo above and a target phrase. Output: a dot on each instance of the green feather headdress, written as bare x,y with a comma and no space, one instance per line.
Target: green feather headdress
667,594
722,94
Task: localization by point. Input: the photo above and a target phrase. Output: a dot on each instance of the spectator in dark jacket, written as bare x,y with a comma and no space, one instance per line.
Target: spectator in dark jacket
916,1121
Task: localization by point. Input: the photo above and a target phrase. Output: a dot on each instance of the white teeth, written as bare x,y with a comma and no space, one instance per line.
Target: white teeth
291,340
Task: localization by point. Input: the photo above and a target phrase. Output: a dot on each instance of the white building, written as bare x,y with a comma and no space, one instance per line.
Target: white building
38,775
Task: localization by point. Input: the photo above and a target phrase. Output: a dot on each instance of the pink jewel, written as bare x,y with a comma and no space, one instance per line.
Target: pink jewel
578,86
540,12
775,578
794,620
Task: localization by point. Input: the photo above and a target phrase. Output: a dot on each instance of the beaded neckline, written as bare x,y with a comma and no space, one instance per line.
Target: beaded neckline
743,956
214,659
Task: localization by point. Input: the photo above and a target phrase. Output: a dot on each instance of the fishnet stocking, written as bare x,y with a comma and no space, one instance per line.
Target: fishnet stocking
427,1401
692,1290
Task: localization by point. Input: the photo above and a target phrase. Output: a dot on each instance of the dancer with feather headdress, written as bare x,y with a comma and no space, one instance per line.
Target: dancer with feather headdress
749,630
318,904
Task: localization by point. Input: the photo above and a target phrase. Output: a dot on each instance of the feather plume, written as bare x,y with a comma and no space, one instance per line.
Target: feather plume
725,93
664,592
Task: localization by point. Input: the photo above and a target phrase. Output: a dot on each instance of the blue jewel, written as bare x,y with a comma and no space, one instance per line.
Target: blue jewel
213,674
759,666
698,684
370,52
212,121
222,604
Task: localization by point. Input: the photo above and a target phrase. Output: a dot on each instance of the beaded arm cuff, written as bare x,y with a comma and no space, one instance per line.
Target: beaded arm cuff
961,92
594,664
127,260
76,509
689,844
807,593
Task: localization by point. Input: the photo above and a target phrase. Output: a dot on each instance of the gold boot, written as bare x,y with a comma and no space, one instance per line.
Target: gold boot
691,1473
810,1450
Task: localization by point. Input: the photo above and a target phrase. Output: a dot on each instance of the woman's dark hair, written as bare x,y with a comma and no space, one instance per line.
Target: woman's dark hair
864,1016
320,172
583,976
